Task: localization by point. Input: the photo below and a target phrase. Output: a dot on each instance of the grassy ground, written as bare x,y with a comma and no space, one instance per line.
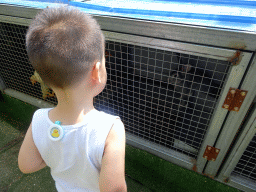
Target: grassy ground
144,172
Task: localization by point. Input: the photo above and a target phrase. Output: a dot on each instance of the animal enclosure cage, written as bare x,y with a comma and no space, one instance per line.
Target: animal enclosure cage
160,95
169,94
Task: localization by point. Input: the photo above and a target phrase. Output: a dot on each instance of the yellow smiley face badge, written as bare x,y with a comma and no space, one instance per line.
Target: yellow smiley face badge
55,132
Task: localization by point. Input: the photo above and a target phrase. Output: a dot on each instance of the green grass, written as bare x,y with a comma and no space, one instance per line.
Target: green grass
161,175
144,171
16,112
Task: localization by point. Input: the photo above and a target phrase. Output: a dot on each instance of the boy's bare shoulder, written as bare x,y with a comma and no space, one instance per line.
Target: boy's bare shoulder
116,133
112,175
118,126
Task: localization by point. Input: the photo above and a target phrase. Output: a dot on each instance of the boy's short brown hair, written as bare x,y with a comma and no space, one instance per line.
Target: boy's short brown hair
62,45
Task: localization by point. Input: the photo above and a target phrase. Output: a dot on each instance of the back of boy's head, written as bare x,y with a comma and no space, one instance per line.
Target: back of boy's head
62,44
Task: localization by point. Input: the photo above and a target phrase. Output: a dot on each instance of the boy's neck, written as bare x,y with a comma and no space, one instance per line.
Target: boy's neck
75,102
70,115
72,107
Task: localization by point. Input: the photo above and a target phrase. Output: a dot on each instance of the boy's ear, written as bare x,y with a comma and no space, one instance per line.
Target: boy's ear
95,72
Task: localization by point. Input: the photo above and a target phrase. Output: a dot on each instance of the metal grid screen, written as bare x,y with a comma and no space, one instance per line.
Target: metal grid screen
15,68
246,166
162,96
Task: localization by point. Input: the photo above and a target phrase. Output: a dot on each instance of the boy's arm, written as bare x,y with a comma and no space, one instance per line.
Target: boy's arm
112,175
29,158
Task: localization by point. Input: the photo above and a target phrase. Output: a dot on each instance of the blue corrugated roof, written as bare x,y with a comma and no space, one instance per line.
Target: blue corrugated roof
155,11
217,2
53,1
239,14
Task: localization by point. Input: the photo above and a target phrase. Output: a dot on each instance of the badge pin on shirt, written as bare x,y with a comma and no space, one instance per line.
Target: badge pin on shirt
55,132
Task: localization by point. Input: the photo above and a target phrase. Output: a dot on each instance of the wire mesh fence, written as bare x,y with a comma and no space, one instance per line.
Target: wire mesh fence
246,166
162,96
15,68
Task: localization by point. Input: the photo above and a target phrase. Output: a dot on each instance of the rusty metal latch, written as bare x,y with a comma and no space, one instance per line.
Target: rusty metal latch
236,58
211,153
234,99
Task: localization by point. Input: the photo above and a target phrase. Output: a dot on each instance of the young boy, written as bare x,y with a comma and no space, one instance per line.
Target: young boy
84,148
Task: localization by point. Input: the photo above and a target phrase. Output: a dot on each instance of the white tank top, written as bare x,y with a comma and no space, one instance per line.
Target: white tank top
75,160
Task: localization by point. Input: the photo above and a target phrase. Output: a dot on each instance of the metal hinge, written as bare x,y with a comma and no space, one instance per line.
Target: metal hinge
234,99
211,153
